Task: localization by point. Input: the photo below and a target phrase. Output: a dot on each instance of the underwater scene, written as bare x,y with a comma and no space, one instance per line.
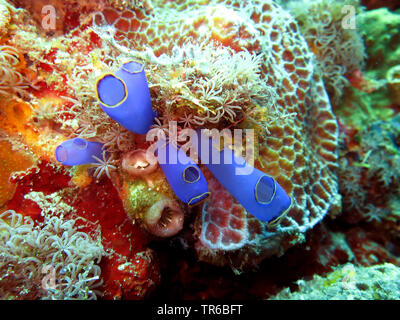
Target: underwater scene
199,150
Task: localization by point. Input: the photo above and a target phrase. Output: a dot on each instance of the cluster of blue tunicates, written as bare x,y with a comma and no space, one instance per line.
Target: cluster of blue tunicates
125,97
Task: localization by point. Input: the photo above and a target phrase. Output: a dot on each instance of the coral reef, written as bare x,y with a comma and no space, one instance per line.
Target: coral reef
349,282
375,4
369,174
296,89
370,126
381,25
374,94
272,106
69,14
12,81
273,88
128,268
223,220
11,161
118,221
5,18
56,248
338,50
208,85
393,80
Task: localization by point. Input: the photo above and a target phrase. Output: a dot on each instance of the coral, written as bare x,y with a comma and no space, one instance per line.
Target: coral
12,81
52,204
369,175
212,63
44,178
212,84
128,269
56,248
5,18
380,30
376,99
375,4
62,101
104,165
223,220
130,4
11,161
338,50
349,282
132,279
373,244
393,79
359,108
380,144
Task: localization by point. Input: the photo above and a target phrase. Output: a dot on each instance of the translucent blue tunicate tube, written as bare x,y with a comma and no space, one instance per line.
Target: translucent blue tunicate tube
125,97
182,173
260,194
78,151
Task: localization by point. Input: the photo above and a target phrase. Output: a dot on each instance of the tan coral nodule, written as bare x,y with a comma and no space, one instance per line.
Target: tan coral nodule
137,164
164,218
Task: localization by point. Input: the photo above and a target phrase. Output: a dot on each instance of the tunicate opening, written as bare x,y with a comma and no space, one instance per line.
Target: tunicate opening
133,67
196,200
141,164
80,143
393,75
265,190
282,212
61,154
111,90
191,174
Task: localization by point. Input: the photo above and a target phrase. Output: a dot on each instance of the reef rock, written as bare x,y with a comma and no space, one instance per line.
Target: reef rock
349,282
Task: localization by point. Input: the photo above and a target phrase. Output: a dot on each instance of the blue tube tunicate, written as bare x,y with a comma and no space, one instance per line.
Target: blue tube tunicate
125,97
78,151
260,194
182,173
